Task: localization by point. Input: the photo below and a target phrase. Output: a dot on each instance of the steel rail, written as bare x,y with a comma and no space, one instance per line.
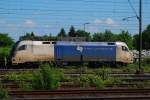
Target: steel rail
79,91
135,97
105,94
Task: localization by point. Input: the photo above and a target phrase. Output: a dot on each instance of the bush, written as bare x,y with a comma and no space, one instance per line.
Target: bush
3,93
146,61
84,81
130,68
91,80
47,78
98,82
112,81
12,76
103,73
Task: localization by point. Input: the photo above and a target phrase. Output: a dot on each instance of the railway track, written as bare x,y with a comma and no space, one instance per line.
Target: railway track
67,71
107,94
3,71
75,94
66,85
122,75
16,85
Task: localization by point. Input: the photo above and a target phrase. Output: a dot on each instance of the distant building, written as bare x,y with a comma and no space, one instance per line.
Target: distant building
144,54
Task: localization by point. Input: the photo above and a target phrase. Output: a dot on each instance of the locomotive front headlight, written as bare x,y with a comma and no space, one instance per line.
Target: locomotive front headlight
13,59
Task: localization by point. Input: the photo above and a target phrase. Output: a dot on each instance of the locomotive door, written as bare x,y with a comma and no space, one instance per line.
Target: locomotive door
59,55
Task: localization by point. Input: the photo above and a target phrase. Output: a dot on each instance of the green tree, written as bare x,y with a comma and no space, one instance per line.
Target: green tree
31,36
52,38
108,36
136,42
45,37
28,36
124,36
146,38
5,40
98,37
62,33
81,33
72,32
5,45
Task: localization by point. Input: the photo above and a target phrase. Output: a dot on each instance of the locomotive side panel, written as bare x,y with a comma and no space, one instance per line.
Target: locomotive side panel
99,53
67,53
85,52
43,53
33,51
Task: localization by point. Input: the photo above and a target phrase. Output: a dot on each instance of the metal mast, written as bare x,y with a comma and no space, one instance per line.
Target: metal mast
140,33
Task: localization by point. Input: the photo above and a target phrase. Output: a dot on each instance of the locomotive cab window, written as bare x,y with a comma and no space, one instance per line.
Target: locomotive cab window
53,42
23,47
111,43
46,42
124,48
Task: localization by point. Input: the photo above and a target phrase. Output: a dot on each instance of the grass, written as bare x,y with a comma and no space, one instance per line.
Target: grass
131,68
19,76
49,77
103,73
86,81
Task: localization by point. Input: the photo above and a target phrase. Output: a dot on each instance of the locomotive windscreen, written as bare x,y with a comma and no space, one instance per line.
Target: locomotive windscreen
12,52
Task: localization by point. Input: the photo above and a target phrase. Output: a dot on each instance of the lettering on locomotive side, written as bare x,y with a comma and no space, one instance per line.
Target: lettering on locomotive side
80,48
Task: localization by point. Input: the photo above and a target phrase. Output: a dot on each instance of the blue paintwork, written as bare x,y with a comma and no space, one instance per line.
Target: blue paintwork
66,52
90,51
100,53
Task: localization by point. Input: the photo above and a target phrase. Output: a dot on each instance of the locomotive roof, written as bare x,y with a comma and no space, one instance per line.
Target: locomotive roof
91,43
29,42
73,43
